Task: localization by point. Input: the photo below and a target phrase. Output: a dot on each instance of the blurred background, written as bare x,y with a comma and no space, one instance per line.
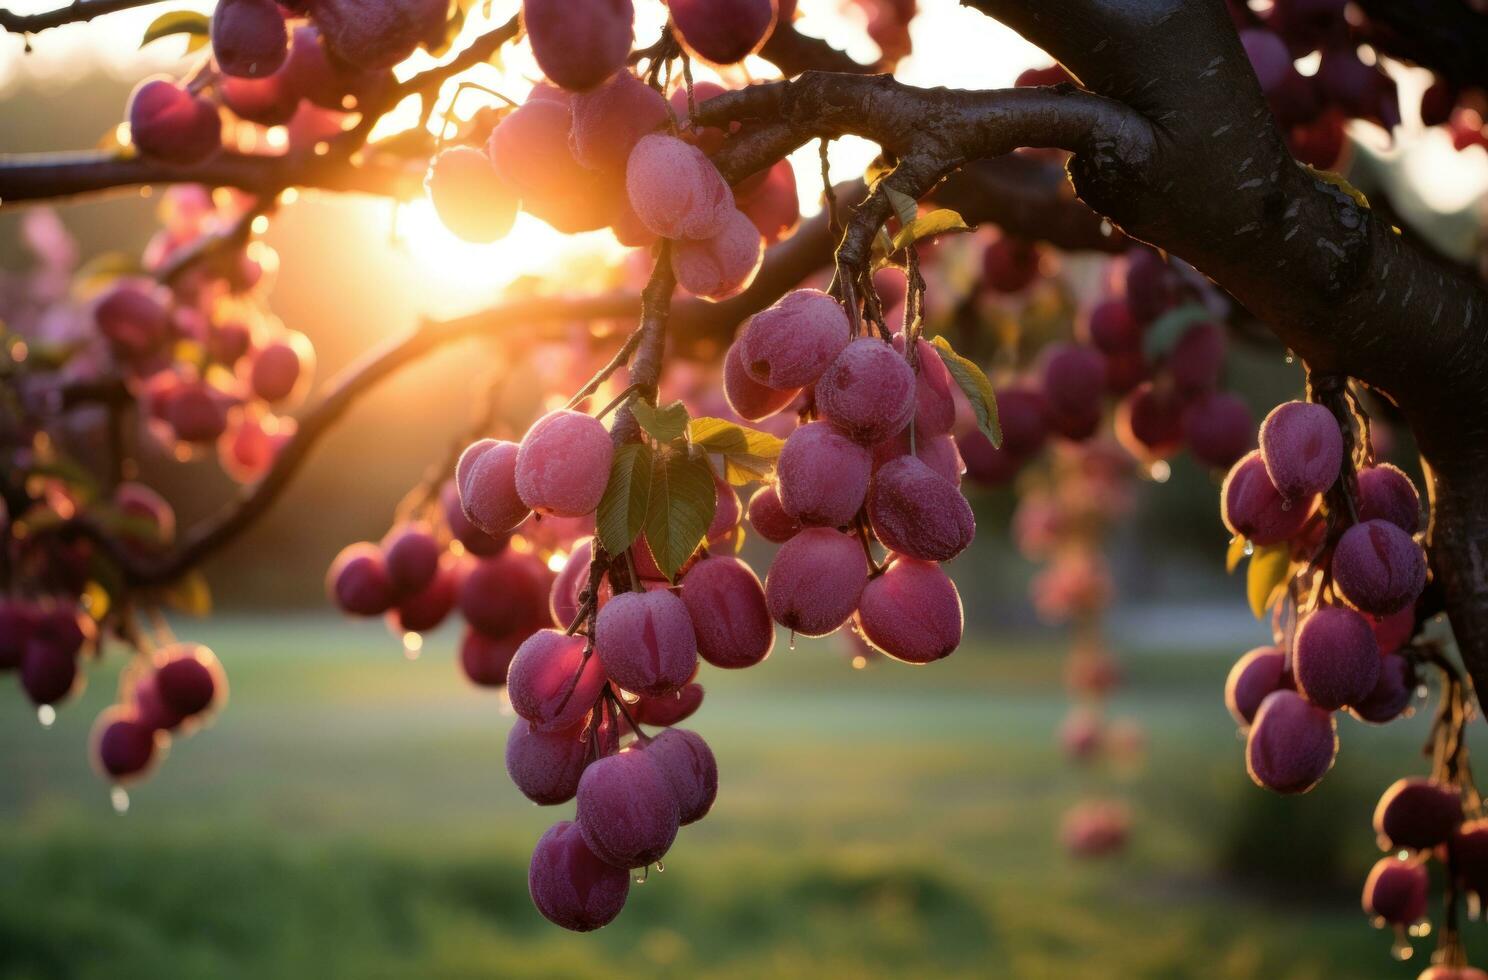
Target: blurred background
349,815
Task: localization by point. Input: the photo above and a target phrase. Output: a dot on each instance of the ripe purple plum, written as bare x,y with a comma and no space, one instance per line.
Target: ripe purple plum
1253,677
17,620
646,642
471,538
1151,285
722,266
723,32
270,101
816,580
912,612
546,683
772,202
1302,448
937,452
196,412
1392,693
249,38
917,512
1335,658
1197,359
1395,890
563,597
668,709
579,43
486,659
1010,265
530,151
469,195
823,475
1218,428
122,746
1149,422
188,679
1112,329
609,120
563,464
49,670
1386,493
1023,413
1378,568
546,766
1417,813
627,810
727,513
133,318
371,34
172,125
935,403
427,608
1291,744
412,556
570,886
1253,508
689,767
507,593
487,477
358,581
675,189
726,604
868,391
768,517
1393,631
985,463
790,344
749,399
1073,377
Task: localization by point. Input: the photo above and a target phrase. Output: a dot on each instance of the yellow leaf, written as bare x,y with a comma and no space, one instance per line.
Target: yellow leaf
1236,552
938,222
1267,572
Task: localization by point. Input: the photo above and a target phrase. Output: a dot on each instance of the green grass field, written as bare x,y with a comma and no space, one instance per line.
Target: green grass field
349,816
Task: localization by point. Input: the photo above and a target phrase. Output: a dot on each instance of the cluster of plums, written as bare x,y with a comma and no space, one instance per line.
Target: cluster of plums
1345,650
175,691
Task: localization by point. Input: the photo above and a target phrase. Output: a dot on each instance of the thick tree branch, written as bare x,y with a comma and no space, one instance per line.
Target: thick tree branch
77,12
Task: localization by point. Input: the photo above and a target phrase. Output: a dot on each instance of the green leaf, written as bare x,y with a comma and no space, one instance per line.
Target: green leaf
683,499
748,454
1166,330
1266,577
190,22
102,269
1236,552
905,206
190,594
622,509
665,424
939,222
976,387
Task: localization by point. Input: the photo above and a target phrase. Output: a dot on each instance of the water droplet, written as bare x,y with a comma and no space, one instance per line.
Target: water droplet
660,868
645,873
1249,549
1421,929
47,715
412,644
1160,471
793,641
1401,949
1290,357
859,662
120,799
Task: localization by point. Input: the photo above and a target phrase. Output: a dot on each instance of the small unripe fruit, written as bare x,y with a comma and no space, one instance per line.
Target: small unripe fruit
749,399
1396,891
546,685
1219,429
372,34
646,642
171,124
1291,744
1253,508
487,478
570,886
823,475
912,612
689,767
768,516
1335,657
546,766
726,604
249,38
722,266
123,746
668,709
579,43
485,659
1253,677
1378,568
723,31
563,464
1392,693
1387,494
917,512
1302,449
816,580
1417,813
469,196
412,557
868,391
627,810
790,344
609,120
675,189
358,581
